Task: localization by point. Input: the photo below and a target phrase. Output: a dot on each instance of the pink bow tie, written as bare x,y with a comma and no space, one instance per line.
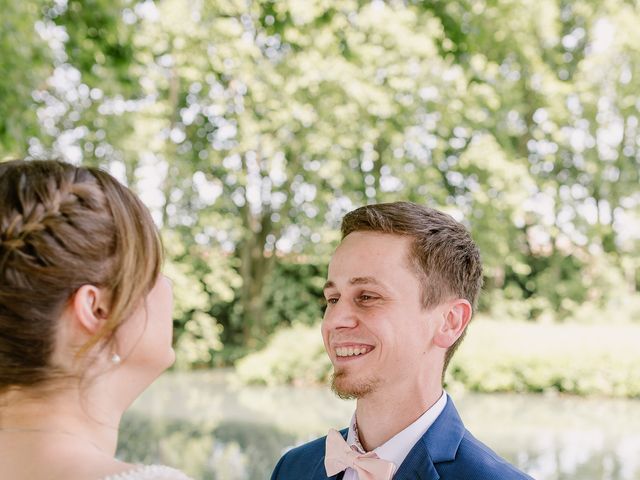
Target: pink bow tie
339,456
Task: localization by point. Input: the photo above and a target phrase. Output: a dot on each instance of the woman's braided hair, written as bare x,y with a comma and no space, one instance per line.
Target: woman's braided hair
62,227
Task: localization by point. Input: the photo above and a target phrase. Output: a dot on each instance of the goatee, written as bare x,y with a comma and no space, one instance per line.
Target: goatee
353,390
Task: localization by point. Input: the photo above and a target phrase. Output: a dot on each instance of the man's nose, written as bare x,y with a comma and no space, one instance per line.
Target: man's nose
341,314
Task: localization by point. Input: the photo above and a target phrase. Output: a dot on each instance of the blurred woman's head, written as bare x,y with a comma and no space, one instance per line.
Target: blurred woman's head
68,232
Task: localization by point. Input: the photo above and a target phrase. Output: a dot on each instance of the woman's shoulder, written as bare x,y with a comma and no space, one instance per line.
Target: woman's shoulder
150,472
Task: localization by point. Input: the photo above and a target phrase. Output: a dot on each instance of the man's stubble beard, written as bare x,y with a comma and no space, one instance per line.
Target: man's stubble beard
346,390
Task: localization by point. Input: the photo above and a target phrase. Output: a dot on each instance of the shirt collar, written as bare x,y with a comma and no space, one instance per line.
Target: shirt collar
398,447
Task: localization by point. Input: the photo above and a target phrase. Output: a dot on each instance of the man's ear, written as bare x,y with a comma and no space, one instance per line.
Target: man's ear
89,306
455,318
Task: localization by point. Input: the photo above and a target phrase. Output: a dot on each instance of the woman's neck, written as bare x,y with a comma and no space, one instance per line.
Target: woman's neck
69,415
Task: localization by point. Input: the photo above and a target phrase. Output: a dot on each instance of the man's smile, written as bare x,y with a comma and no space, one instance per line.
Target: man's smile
349,351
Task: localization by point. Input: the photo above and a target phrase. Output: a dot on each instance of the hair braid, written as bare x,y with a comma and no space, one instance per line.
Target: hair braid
62,227
38,215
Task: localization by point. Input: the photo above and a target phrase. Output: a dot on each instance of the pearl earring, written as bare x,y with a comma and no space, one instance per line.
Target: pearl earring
115,359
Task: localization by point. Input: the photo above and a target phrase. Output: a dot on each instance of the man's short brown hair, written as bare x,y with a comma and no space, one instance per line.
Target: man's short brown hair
443,254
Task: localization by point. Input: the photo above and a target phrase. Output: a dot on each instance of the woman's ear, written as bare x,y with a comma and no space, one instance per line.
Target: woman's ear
89,307
455,318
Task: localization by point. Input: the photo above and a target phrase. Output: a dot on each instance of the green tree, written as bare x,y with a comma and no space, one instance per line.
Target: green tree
25,63
250,128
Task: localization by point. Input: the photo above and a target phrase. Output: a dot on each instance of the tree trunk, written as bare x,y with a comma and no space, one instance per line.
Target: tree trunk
255,268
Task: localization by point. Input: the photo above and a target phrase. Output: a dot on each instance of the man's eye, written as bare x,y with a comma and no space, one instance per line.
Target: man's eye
332,301
365,298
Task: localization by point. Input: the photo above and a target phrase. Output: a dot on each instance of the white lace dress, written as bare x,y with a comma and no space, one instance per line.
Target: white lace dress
150,472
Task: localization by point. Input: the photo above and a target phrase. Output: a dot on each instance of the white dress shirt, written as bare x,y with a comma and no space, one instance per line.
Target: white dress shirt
397,447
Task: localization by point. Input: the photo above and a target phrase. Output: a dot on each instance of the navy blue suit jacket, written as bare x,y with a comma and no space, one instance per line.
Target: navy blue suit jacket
446,451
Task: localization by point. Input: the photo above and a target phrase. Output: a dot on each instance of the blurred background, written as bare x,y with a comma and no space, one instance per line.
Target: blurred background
249,127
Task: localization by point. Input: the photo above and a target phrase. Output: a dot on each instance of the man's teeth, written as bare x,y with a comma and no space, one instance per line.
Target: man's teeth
350,351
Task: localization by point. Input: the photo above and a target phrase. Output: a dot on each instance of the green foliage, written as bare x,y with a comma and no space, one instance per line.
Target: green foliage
250,129
294,355
565,289
496,356
100,42
570,358
203,289
294,295
25,65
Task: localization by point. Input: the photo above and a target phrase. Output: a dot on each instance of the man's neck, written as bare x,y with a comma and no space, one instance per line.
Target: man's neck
380,417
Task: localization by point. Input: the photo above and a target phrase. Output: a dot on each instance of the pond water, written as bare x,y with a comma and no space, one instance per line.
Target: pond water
204,424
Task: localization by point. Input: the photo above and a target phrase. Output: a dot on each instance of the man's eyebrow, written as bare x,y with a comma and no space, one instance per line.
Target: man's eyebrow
355,281
328,284
364,281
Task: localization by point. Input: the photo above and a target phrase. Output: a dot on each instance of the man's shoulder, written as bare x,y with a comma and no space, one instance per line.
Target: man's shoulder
314,448
456,453
474,456
300,459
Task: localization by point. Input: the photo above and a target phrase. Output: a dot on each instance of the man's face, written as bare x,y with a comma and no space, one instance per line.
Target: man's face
375,331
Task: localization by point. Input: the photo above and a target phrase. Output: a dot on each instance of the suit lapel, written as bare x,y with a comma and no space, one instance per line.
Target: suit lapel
444,436
417,465
439,444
